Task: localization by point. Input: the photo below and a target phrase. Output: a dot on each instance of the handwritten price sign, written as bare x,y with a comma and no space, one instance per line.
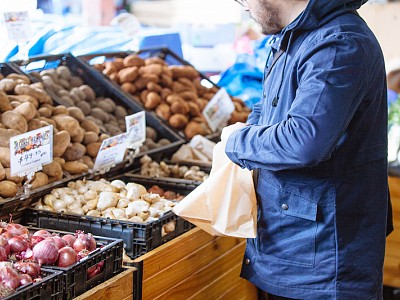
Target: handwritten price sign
112,152
31,150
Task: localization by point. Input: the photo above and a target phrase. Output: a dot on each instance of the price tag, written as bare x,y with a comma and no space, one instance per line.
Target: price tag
31,150
218,111
112,152
136,128
18,26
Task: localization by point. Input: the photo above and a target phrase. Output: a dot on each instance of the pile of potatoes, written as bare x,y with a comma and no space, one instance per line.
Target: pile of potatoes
115,200
25,106
173,92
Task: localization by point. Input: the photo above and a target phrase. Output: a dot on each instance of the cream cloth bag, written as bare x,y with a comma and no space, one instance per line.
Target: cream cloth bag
225,203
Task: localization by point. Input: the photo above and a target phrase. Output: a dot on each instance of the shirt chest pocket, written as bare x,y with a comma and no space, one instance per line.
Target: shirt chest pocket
287,226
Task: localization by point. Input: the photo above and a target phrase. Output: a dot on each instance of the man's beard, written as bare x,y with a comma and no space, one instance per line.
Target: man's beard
270,21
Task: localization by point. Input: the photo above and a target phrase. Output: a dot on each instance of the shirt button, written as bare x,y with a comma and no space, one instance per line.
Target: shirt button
285,206
247,261
264,94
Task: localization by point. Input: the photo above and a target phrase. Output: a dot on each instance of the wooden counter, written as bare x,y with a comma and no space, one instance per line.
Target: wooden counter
391,274
192,266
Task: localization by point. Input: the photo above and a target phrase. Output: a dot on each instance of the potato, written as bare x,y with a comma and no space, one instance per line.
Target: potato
113,129
155,69
14,120
98,113
155,60
85,107
74,152
61,141
60,160
88,91
24,98
151,133
143,80
60,110
120,112
87,160
67,123
93,148
180,107
194,128
133,61
183,71
152,100
129,87
128,74
5,135
16,179
27,110
53,169
89,125
8,189
194,110
39,180
75,167
163,111
19,78
5,104
178,121
7,84
107,105
90,137
24,89
2,172
34,124
79,137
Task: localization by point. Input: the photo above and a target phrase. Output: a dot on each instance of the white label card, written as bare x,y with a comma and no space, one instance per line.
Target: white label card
218,111
18,26
136,128
112,152
31,150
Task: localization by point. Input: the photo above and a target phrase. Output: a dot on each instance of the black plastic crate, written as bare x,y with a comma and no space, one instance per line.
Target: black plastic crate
102,88
49,288
166,54
139,238
75,280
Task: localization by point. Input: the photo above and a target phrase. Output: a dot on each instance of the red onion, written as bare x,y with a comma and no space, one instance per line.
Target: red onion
17,229
9,277
36,239
66,257
60,243
30,268
24,279
3,254
45,252
70,239
83,254
7,235
84,241
18,244
25,255
43,233
4,244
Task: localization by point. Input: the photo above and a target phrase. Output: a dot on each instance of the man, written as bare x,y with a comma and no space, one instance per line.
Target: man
318,141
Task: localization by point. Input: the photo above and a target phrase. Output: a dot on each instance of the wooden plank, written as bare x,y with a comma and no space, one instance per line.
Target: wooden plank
244,290
171,283
393,249
186,256
217,288
116,288
179,248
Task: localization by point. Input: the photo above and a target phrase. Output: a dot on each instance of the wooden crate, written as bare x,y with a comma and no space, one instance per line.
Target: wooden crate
119,287
391,270
194,265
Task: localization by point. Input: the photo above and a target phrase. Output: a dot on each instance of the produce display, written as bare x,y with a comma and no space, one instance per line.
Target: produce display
151,168
114,200
23,252
173,92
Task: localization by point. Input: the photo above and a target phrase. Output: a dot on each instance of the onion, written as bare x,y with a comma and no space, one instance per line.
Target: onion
18,244
66,257
9,277
69,238
4,243
17,229
60,243
83,254
3,254
30,268
84,241
24,279
36,239
43,233
7,235
45,252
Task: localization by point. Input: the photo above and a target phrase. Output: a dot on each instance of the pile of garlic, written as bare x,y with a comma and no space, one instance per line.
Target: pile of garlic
101,198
